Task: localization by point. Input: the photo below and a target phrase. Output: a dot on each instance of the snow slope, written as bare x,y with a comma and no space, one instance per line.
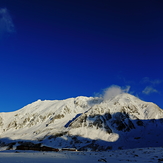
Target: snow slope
85,123
41,118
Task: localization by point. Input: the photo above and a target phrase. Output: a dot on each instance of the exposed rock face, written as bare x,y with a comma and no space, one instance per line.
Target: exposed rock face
121,113
1,122
121,122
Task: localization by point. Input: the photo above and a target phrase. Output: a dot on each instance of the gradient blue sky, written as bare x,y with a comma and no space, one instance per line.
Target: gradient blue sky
57,49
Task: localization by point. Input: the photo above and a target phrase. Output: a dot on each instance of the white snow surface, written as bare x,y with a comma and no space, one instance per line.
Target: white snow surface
41,118
141,155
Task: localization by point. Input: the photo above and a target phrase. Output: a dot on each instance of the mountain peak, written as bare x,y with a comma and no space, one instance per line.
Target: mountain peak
81,119
126,97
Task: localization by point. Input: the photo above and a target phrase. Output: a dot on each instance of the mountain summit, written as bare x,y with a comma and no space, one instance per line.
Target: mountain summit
123,121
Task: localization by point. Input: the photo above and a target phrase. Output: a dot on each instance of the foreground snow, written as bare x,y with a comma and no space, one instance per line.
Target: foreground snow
140,155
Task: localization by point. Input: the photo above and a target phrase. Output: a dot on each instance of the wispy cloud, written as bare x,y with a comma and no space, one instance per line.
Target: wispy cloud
150,85
153,82
6,23
113,91
148,90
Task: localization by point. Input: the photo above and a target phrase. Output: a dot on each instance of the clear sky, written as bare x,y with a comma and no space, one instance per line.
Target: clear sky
57,49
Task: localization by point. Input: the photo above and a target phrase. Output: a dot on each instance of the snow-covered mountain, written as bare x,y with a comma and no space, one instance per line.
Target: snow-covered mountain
85,123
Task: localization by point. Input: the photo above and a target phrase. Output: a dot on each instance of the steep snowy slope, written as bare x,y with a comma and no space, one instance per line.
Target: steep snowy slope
86,122
42,118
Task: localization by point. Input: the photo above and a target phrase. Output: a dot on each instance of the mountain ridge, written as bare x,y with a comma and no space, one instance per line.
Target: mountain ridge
85,122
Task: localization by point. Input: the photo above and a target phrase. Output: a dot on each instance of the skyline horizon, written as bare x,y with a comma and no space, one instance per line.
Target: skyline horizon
106,94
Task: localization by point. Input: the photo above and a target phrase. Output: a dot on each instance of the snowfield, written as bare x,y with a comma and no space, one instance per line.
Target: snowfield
140,155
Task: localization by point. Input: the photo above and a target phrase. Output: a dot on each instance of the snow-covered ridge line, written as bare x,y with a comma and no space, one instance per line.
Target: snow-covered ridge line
123,121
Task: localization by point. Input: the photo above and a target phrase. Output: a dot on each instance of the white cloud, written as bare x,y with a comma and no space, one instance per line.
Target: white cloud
148,90
113,91
6,23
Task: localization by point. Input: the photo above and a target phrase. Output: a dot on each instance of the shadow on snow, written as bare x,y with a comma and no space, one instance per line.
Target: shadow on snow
132,134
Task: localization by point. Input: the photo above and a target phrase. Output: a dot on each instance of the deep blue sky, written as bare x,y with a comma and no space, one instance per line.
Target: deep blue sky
57,49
